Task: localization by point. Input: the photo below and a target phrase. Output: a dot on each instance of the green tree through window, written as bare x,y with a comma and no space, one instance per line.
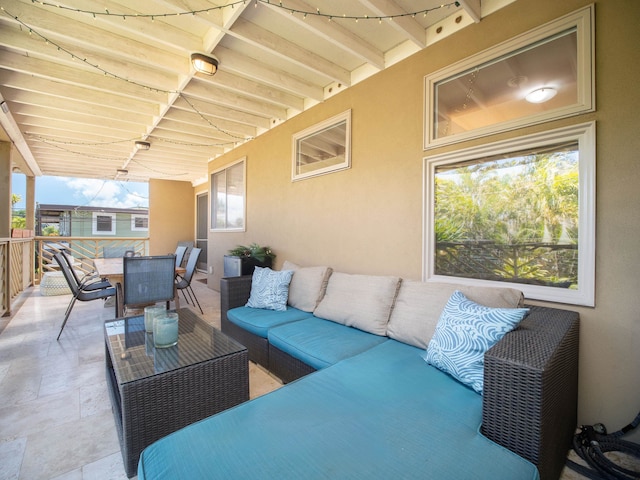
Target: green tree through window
510,217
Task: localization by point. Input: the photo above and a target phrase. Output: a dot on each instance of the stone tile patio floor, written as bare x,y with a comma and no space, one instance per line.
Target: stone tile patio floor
55,412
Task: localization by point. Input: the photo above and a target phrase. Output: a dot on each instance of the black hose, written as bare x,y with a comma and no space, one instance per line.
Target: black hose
591,444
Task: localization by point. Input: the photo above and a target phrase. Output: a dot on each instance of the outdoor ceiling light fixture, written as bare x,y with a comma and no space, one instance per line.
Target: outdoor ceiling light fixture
140,145
122,171
541,95
204,64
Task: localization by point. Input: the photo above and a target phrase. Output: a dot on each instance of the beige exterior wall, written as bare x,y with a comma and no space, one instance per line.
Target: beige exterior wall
369,219
171,215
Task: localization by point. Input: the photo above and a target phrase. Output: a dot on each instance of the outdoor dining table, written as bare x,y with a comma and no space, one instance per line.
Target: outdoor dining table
112,269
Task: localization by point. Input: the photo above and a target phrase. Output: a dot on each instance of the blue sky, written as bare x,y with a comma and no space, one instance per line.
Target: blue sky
83,192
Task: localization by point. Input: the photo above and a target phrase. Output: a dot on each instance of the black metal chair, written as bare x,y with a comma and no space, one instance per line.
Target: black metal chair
84,293
90,280
147,280
184,281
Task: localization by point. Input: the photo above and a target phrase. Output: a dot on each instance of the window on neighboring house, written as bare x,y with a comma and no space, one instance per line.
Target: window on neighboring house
517,212
104,223
228,197
139,223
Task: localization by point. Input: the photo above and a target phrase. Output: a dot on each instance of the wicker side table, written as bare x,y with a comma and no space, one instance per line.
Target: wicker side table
155,392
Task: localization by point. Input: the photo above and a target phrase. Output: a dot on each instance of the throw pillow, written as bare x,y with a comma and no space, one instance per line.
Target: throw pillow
360,301
269,289
308,285
465,331
418,307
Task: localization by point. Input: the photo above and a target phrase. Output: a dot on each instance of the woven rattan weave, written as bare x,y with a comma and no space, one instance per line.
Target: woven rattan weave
155,392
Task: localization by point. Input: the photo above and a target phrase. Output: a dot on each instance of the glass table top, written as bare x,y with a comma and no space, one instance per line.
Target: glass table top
134,356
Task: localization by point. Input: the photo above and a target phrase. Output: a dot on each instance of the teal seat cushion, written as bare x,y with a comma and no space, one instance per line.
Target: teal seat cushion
258,320
320,343
383,414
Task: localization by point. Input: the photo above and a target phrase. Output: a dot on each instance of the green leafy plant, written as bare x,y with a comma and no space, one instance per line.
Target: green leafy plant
254,250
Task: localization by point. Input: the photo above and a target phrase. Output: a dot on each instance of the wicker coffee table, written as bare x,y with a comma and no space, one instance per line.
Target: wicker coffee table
157,391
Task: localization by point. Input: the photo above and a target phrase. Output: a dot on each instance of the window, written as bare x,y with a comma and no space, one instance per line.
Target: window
322,148
227,197
104,223
517,213
544,74
139,223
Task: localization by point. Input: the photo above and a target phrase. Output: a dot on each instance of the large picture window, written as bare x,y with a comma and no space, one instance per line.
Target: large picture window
518,212
228,198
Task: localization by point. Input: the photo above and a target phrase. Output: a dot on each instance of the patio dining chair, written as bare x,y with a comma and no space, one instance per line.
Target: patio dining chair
146,281
89,281
79,291
184,281
180,251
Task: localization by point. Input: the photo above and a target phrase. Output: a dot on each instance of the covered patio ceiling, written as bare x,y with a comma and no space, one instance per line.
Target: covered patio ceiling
82,80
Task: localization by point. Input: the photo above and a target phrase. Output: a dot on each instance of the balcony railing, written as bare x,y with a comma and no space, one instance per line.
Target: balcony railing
84,250
16,269
23,261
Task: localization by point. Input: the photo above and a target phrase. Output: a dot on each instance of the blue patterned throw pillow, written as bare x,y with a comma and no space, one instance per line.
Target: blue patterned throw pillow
270,289
465,331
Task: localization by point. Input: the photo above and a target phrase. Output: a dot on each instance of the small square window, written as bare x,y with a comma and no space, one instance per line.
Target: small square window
139,223
104,223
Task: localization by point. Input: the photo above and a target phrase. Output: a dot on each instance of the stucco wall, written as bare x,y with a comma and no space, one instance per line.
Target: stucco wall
171,215
369,219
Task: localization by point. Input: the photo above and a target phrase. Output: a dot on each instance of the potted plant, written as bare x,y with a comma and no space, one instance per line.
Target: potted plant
242,260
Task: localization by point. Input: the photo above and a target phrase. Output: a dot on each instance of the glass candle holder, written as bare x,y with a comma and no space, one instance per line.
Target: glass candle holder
149,314
165,330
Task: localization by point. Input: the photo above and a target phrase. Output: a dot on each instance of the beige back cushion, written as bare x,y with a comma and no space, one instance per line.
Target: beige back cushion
361,301
307,286
419,305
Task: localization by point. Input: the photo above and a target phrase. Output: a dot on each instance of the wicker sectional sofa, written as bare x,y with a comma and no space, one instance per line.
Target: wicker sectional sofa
374,408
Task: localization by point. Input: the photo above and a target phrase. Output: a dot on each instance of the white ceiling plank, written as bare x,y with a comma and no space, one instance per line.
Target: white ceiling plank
272,43
403,24
204,91
254,69
253,89
333,33
192,118
48,24
74,77
23,88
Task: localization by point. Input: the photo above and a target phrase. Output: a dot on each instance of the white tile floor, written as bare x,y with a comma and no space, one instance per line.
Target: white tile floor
55,412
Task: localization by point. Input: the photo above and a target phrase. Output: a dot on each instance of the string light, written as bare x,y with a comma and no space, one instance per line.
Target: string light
132,82
95,14
317,13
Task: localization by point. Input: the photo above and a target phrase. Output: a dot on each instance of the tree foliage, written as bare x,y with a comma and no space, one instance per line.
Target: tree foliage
525,200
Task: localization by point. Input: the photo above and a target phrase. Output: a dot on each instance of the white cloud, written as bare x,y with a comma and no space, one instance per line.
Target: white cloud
105,193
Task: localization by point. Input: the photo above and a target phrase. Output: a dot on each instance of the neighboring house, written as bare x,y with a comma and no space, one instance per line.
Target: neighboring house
75,221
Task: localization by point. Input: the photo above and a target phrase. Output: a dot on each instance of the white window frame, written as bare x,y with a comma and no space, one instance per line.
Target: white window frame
212,198
133,223
585,135
581,20
94,223
316,132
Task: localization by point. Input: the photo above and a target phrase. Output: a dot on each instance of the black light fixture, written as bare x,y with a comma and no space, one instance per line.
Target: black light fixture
140,145
204,64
